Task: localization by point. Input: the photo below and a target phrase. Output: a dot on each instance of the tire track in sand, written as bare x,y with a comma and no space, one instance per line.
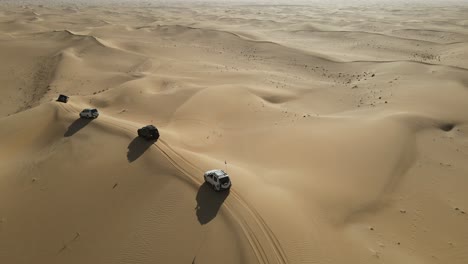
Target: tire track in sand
279,254
244,213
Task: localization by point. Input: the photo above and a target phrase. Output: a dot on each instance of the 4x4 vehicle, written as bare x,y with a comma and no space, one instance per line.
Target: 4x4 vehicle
149,132
62,98
218,179
89,113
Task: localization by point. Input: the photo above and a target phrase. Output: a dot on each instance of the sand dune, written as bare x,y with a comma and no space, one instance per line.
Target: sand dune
344,131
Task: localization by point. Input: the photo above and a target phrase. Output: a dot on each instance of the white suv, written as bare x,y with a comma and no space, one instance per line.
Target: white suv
218,179
89,113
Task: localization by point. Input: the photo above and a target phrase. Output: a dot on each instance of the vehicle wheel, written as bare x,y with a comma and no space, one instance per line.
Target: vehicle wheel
217,188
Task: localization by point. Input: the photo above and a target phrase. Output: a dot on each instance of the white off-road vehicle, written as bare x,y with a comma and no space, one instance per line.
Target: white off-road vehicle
89,113
218,179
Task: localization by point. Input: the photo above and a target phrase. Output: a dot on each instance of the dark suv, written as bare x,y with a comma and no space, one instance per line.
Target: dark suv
149,132
62,98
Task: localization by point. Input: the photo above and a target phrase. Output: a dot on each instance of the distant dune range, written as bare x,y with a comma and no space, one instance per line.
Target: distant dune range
344,132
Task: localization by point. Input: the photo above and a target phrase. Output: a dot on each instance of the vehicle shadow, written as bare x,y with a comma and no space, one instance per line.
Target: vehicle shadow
208,203
137,147
76,126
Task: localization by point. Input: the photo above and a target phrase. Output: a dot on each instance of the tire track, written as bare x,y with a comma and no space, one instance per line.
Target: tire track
254,239
279,252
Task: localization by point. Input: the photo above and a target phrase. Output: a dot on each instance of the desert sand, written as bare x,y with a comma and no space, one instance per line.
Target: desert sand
344,130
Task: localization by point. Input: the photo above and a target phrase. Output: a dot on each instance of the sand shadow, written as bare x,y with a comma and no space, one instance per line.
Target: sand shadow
76,126
209,202
137,147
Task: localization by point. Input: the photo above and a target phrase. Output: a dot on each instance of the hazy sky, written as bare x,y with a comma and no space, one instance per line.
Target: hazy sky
260,2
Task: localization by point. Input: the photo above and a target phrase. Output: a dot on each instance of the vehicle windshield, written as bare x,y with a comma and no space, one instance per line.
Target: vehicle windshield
220,173
224,180
94,110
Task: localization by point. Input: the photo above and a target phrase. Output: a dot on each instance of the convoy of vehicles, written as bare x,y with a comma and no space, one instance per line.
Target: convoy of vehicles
218,179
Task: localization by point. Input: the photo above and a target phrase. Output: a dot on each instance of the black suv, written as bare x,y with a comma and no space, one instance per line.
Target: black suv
149,132
62,98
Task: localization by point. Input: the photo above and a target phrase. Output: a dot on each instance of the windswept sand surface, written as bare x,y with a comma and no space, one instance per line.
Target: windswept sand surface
345,132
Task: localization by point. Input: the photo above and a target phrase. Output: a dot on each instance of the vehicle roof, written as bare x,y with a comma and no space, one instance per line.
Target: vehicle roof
89,109
219,173
150,127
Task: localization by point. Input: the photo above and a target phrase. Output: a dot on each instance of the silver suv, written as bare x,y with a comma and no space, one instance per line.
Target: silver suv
218,179
89,113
